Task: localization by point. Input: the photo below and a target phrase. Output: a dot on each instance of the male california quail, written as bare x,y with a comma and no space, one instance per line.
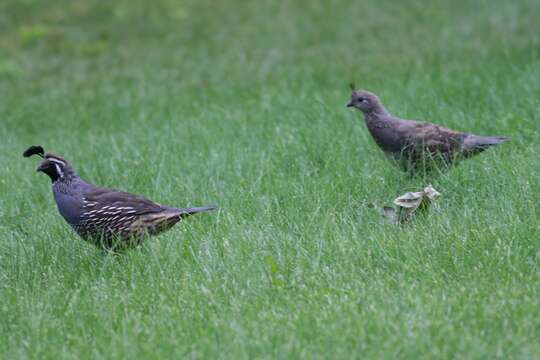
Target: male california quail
416,145
107,218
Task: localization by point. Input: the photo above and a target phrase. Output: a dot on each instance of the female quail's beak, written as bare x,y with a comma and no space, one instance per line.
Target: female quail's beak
350,104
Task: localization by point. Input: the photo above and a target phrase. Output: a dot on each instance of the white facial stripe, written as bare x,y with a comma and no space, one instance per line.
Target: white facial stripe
59,170
57,161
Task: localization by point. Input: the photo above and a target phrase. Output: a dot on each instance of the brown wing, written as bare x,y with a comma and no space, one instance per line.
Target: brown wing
133,204
434,138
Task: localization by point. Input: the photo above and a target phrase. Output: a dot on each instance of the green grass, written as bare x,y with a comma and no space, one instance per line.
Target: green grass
243,104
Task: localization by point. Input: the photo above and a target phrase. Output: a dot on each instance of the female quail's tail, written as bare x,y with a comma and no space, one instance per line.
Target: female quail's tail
473,144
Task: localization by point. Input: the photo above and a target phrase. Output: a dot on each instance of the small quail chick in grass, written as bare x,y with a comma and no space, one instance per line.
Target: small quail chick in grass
414,144
107,218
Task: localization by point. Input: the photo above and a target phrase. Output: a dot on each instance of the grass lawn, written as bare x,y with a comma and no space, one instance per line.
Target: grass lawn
242,104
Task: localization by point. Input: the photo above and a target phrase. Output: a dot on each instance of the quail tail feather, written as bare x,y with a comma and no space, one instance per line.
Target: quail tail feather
475,143
154,223
194,210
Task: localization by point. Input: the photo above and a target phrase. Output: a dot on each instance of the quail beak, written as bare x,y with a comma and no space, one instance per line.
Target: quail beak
350,104
40,168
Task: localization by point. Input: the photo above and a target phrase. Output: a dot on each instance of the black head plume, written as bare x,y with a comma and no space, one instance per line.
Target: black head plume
34,150
351,85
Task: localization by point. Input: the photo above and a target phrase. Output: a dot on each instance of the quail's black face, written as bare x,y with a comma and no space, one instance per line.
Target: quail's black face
56,167
53,167
363,100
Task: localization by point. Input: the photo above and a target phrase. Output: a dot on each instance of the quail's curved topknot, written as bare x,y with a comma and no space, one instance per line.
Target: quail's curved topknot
34,150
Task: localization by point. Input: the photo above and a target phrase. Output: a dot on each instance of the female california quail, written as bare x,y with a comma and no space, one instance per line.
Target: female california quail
107,218
417,145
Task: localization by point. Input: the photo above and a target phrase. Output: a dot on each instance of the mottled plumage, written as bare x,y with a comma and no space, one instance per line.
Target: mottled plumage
416,144
105,217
